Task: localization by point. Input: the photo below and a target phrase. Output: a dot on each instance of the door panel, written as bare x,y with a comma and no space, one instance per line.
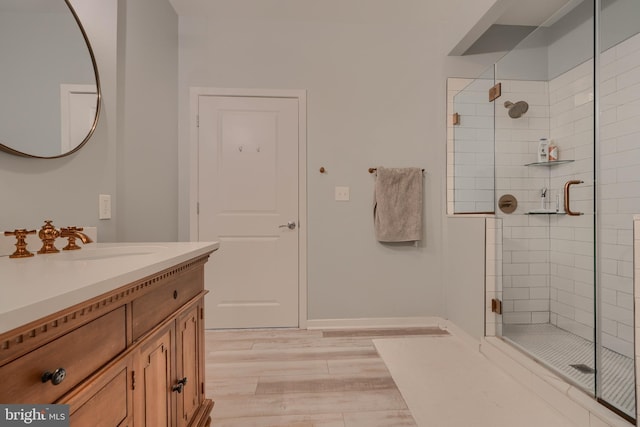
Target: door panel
188,363
156,360
248,188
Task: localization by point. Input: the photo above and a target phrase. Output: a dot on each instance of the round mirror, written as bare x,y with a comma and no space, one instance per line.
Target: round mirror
49,86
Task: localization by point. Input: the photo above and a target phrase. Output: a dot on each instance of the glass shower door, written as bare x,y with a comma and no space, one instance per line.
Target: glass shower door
617,196
549,268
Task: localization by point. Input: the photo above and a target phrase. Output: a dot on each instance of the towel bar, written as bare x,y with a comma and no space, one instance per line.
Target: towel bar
373,170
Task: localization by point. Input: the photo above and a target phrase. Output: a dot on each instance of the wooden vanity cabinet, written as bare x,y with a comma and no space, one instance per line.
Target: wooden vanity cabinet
133,357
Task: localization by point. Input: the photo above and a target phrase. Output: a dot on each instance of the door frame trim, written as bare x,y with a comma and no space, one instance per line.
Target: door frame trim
301,96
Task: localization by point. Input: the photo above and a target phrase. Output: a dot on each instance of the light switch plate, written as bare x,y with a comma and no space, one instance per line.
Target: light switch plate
104,206
342,194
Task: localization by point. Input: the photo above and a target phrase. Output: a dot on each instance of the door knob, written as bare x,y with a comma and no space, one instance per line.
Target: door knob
291,225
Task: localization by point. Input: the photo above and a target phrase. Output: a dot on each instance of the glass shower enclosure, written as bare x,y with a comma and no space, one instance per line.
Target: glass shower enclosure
566,164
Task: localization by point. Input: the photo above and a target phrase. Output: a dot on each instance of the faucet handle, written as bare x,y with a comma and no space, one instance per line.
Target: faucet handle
21,244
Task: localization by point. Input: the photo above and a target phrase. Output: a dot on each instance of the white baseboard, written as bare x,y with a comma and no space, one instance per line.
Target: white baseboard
376,322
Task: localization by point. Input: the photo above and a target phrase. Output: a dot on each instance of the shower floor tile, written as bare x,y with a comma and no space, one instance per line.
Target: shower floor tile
573,357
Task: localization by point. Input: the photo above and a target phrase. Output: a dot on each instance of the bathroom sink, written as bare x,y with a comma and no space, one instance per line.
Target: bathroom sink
98,253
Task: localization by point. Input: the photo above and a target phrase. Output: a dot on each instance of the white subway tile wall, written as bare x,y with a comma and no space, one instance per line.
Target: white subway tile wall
526,294
454,85
470,165
572,245
619,190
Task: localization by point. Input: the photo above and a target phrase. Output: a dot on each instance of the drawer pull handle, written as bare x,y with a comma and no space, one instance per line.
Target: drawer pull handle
56,377
175,294
181,383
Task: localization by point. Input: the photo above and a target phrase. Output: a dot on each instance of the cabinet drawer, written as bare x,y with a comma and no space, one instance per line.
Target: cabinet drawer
151,309
80,353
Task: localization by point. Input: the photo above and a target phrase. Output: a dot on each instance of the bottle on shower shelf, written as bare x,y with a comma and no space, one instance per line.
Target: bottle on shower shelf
552,151
543,150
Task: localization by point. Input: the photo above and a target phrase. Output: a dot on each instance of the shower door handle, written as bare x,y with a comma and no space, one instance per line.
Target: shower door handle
567,187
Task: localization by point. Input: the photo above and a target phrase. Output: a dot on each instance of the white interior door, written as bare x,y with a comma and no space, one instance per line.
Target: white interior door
248,200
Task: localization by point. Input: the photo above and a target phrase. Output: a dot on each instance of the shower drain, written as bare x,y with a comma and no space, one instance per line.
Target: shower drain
584,368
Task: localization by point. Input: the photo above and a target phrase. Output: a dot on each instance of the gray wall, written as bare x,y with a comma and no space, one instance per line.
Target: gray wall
133,153
375,72
148,136
66,190
465,272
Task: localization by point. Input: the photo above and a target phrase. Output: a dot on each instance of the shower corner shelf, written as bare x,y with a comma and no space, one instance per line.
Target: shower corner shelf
551,163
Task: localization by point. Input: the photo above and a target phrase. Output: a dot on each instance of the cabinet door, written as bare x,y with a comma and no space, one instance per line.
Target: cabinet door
104,400
154,403
189,363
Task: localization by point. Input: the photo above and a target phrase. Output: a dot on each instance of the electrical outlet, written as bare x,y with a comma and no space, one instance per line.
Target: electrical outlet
342,194
104,206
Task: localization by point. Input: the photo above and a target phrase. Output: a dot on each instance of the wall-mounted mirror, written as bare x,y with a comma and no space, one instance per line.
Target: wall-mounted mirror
49,85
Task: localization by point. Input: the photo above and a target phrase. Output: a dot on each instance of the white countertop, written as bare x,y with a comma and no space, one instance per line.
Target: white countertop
44,284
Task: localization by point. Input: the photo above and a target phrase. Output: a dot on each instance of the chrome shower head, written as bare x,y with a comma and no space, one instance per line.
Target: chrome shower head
516,110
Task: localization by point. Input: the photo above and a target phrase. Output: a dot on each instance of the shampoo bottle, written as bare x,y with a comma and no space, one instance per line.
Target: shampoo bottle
543,150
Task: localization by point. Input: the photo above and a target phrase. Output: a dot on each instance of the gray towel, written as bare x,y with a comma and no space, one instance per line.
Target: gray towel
397,212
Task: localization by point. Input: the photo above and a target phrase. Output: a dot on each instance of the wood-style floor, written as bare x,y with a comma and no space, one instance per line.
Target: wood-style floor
300,378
